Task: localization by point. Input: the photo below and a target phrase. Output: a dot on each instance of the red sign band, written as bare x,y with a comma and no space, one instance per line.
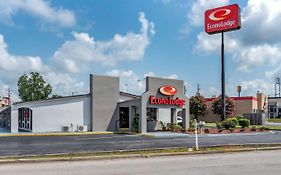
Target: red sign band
222,19
166,101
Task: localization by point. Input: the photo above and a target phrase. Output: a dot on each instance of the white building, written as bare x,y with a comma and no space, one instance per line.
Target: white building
105,108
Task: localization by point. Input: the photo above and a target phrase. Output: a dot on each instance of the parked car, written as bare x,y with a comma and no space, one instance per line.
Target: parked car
179,119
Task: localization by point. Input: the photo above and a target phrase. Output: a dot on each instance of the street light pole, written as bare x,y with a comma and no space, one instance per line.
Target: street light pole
222,78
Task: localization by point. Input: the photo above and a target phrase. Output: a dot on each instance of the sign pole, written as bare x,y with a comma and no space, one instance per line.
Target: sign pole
196,135
222,78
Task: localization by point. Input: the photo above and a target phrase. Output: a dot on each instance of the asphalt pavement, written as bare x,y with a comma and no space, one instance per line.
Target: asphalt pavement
38,145
257,162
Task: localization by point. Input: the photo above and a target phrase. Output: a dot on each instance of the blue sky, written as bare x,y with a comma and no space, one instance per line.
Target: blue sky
67,40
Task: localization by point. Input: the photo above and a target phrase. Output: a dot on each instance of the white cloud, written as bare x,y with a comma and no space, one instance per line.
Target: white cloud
273,73
251,87
255,56
195,15
133,83
84,50
257,44
129,81
212,43
261,21
173,76
14,64
37,8
65,84
75,55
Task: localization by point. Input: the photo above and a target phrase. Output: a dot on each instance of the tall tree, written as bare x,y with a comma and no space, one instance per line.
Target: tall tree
33,87
217,106
197,106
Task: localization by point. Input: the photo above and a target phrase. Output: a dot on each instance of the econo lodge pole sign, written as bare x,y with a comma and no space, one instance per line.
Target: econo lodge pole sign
220,20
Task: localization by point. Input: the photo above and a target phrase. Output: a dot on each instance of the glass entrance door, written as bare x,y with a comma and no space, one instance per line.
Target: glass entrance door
123,117
25,119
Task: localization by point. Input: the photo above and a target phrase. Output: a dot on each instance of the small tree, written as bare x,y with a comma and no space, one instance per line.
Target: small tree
33,87
217,106
197,106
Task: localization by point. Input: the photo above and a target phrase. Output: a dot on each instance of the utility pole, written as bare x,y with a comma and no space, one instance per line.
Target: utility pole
198,89
9,96
184,90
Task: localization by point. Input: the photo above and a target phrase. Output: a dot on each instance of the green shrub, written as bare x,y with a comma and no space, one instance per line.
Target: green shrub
262,128
178,127
136,123
244,123
191,123
219,125
238,117
229,123
234,119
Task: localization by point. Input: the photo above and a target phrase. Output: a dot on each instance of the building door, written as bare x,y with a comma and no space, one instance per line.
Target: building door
25,119
123,117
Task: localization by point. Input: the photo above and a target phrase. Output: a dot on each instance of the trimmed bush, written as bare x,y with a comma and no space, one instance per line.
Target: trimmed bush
238,117
178,127
262,128
244,123
234,119
229,123
219,125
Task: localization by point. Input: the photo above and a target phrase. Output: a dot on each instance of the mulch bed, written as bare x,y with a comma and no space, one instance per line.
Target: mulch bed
225,131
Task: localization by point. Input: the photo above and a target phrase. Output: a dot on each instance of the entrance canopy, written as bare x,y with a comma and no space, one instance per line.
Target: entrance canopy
160,93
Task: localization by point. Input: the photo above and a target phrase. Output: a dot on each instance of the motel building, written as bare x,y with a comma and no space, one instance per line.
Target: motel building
242,105
104,108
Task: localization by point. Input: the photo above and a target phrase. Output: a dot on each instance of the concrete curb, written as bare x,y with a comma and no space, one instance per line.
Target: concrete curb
57,134
160,153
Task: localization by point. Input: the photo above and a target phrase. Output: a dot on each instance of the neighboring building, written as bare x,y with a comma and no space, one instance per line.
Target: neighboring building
105,108
274,107
4,101
242,105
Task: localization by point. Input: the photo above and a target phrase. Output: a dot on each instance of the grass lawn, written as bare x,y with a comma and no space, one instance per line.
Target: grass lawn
275,127
274,120
210,125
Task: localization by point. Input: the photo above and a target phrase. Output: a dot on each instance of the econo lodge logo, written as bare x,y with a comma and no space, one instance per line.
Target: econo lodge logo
168,90
222,19
220,14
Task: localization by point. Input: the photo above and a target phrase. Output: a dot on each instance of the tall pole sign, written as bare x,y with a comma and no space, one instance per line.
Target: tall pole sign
220,20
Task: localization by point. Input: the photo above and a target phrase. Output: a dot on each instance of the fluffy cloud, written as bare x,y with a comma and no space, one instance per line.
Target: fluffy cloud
198,8
255,56
12,65
251,87
84,50
65,84
74,55
131,82
256,44
261,21
37,8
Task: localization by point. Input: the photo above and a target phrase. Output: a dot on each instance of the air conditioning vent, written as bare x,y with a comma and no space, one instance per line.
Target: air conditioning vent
82,128
65,128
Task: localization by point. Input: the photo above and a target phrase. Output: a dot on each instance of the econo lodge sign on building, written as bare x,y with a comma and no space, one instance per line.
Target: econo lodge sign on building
168,91
222,19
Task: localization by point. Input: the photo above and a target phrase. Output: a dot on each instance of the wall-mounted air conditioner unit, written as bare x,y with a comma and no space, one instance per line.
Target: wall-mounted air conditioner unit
65,128
82,128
